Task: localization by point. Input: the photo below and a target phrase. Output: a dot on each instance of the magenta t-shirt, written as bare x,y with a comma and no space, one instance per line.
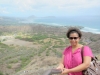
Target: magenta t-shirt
72,60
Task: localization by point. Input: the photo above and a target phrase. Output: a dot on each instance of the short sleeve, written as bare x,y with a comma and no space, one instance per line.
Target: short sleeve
87,51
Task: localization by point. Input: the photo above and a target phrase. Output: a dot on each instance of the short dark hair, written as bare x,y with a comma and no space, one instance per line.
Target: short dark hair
73,30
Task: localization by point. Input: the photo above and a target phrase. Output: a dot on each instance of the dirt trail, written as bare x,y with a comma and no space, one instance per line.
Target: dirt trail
17,42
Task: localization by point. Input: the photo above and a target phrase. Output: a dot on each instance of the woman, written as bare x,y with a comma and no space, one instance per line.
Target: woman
71,62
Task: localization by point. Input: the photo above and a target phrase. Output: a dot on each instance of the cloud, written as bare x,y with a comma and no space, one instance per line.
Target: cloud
60,4
3,10
48,5
72,4
24,5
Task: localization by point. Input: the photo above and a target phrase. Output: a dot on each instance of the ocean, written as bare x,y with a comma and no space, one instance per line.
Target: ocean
90,23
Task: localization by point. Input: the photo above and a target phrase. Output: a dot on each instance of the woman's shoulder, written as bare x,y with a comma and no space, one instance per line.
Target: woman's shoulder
86,47
87,51
67,49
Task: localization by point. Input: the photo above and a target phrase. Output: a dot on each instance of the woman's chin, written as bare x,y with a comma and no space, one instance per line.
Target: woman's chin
73,44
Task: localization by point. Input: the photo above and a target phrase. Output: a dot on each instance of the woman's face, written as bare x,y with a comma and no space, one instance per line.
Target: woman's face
74,38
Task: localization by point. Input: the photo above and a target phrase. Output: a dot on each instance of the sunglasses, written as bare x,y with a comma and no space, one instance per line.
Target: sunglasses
71,38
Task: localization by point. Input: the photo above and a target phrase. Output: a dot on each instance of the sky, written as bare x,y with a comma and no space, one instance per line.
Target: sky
42,8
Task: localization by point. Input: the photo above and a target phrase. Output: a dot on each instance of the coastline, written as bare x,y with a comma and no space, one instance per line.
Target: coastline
83,28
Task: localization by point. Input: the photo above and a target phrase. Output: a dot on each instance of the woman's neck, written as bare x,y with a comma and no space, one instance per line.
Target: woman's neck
75,46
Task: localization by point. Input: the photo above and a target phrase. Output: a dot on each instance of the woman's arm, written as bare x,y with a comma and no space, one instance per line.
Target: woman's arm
83,66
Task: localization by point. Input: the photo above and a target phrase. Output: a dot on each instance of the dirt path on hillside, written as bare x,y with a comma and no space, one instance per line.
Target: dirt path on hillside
17,42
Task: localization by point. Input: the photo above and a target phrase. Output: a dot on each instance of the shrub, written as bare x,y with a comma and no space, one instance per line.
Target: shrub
9,66
1,73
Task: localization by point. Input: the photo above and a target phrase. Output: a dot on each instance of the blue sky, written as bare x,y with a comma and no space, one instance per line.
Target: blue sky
42,8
